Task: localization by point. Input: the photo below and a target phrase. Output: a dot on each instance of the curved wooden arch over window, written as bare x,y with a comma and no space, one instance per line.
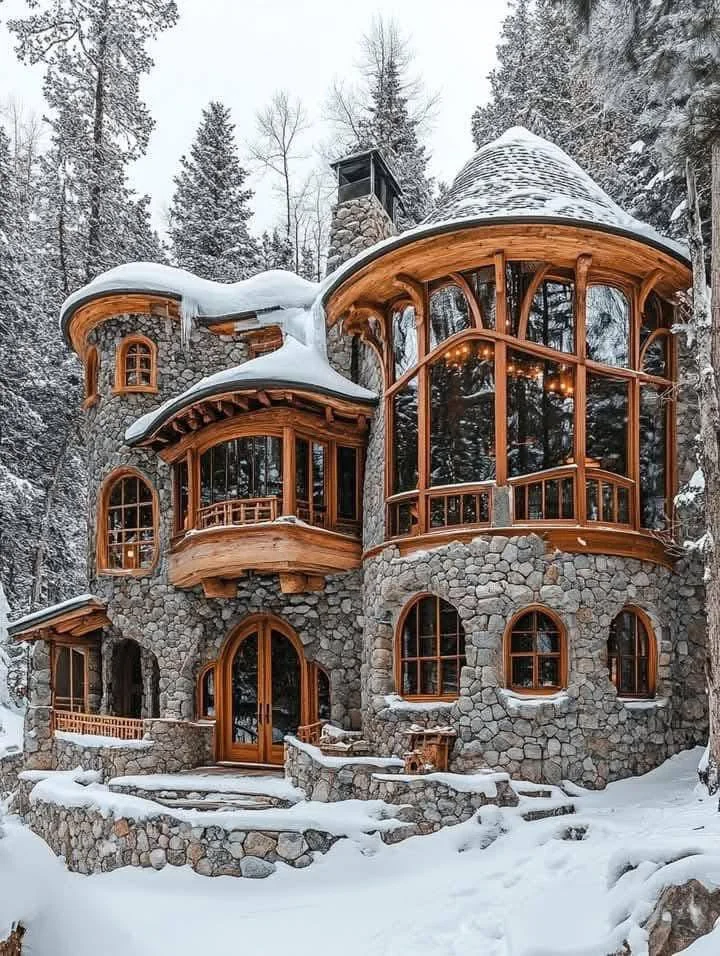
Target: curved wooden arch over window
127,524
430,650
206,693
561,391
136,365
92,368
632,654
535,652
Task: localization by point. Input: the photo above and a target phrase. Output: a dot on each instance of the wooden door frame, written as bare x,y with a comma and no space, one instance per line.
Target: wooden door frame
263,625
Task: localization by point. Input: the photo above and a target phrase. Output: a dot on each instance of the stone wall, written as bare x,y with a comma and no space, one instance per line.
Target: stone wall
356,225
169,747
94,842
10,766
329,779
587,734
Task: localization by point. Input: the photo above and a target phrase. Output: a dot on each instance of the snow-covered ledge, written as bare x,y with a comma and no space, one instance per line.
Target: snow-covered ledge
643,703
513,700
397,703
95,740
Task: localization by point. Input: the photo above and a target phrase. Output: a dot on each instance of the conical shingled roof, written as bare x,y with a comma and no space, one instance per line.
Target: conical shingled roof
520,175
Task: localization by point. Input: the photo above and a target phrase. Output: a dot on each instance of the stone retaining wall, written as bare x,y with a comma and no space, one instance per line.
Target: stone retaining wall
329,779
10,766
169,746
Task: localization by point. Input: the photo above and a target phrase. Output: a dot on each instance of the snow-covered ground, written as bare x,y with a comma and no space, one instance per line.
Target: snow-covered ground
528,893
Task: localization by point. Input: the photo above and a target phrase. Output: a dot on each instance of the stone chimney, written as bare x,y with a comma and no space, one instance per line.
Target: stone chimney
368,194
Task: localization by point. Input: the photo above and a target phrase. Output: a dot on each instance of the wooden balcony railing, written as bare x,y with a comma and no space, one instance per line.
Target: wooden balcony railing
238,511
98,725
608,498
546,496
311,513
466,506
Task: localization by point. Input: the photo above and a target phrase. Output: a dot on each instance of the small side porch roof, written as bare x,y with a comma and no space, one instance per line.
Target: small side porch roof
76,617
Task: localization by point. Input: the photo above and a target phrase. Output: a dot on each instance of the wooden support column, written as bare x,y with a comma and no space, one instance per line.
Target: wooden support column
582,270
289,503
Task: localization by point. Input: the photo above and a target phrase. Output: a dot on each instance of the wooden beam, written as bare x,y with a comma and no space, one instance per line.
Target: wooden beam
264,399
93,623
240,402
293,583
648,284
219,587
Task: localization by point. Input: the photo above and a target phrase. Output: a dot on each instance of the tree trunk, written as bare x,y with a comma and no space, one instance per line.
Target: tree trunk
94,237
50,501
706,326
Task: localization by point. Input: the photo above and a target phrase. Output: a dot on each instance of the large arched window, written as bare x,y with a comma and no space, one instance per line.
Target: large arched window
136,365
535,653
127,524
430,650
631,654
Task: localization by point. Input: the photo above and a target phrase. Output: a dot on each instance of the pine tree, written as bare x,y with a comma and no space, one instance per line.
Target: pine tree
209,212
95,55
276,252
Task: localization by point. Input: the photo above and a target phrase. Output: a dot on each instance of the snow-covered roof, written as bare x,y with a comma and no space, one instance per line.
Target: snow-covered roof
47,615
275,290
294,365
517,178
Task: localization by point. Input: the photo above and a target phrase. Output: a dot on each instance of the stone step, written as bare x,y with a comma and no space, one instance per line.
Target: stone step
533,794
200,804
545,812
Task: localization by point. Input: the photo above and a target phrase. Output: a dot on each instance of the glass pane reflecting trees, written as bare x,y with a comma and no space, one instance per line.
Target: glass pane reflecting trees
405,437
630,655
607,423
432,649
653,438
449,314
540,399
462,415
551,320
607,326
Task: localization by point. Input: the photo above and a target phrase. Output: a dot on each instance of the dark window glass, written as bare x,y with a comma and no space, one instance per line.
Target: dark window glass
535,653
207,693
540,413
629,650
655,358
482,283
449,314
69,682
318,462
653,436
302,470
404,340
347,482
242,468
405,437
432,649
462,415
607,423
518,276
658,314
323,693
607,326
182,496
551,320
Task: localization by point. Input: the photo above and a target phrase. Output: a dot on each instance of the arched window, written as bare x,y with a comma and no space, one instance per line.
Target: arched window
449,313
319,690
92,364
431,650
127,526
535,653
631,655
206,693
136,365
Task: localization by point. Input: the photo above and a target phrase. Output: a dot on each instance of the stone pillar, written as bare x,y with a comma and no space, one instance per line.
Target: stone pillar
38,717
95,681
150,682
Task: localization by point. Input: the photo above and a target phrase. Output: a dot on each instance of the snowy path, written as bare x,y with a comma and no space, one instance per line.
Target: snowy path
529,893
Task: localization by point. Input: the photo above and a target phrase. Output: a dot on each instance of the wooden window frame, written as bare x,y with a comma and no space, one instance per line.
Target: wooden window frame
199,693
57,648
313,668
583,275
102,557
287,426
509,655
92,371
121,370
460,658
642,618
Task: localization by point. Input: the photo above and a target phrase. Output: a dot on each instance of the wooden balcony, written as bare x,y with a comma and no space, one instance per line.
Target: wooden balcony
98,725
237,536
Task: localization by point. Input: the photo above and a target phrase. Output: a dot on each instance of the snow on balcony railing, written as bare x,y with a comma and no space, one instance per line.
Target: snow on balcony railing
98,725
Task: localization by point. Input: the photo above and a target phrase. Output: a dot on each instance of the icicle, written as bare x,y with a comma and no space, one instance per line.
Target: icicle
189,311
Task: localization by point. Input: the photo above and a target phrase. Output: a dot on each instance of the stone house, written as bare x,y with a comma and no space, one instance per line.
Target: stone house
436,488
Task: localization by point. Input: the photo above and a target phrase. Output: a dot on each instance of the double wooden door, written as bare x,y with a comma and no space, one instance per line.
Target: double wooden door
262,695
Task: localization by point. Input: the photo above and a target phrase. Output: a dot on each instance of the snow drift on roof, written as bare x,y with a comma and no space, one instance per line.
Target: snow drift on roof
46,613
266,291
293,365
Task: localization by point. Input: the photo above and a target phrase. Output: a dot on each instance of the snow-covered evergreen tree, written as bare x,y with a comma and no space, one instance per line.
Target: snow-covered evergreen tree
95,55
276,252
210,211
308,266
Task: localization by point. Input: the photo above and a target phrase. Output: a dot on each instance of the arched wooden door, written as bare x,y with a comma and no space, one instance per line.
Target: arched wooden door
263,692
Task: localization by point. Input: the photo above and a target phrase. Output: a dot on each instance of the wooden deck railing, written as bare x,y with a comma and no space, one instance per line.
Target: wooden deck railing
99,725
310,733
608,498
238,511
312,515
447,507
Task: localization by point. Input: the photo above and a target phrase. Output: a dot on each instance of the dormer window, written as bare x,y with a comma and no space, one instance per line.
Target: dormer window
136,365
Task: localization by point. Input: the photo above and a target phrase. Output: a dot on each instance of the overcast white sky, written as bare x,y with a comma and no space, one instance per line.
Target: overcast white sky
241,51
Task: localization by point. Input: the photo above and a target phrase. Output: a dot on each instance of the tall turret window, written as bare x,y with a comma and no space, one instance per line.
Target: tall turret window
136,365
631,655
430,650
127,526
